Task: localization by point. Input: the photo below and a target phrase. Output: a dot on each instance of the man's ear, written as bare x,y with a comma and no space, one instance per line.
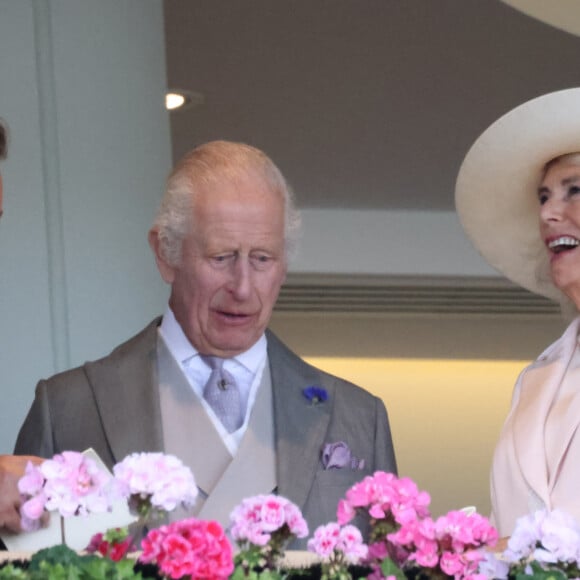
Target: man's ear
165,269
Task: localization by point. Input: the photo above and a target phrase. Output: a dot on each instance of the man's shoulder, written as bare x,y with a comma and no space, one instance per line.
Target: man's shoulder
143,340
139,344
280,353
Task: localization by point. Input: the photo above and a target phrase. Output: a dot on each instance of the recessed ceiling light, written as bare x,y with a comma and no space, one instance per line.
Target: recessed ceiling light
178,99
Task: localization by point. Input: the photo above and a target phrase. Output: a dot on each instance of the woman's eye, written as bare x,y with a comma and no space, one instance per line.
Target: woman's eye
573,190
543,198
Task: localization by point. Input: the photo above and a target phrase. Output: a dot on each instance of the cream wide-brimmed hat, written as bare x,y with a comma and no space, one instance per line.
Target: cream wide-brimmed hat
496,190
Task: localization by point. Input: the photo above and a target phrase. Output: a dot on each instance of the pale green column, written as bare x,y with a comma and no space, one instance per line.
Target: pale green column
81,86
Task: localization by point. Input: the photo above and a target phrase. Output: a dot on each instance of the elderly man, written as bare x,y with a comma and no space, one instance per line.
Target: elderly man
208,382
11,467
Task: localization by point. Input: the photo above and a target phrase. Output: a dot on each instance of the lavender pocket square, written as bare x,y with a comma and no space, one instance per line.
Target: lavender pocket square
338,456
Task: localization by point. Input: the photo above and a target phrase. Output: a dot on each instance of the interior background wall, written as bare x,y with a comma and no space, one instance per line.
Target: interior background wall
81,86
82,89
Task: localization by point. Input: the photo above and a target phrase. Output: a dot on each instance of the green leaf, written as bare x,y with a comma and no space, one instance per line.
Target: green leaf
59,554
56,571
10,572
61,563
269,575
389,568
114,535
538,573
238,574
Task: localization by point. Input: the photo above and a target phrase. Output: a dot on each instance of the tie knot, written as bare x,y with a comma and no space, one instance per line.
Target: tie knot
213,362
222,394
218,374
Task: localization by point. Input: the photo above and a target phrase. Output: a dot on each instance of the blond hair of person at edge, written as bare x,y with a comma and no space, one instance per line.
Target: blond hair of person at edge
11,466
518,199
221,241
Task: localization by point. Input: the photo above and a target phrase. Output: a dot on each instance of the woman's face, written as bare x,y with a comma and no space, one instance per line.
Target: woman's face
559,195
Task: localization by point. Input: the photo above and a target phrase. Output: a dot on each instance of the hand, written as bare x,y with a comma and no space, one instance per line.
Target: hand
11,470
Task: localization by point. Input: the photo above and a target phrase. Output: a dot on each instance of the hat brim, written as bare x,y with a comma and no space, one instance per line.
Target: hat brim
496,189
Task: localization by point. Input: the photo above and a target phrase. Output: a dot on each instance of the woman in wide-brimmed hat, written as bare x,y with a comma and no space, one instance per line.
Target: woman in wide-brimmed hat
518,198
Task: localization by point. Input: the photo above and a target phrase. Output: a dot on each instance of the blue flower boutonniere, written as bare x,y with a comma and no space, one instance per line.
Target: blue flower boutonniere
315,394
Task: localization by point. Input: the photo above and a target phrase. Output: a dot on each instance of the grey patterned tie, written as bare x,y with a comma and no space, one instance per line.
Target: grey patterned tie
222,394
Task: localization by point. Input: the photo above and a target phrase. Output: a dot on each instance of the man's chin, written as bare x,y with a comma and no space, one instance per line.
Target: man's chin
233,345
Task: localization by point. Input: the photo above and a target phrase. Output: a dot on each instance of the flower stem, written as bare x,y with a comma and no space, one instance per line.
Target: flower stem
62,531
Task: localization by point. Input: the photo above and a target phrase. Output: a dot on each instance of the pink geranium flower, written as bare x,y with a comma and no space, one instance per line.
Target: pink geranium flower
155,481
325,540
351,544
258,518
384,495
338,545
69,483
453,543
189,548
114,544
31,512
403,532
261,526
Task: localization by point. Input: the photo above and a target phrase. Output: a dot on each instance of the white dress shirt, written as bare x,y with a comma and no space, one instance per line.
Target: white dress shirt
246,368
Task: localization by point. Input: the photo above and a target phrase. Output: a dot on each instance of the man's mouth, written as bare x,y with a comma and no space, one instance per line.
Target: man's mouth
563,244
233,315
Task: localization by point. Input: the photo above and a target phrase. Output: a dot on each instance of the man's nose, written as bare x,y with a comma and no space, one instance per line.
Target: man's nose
240,283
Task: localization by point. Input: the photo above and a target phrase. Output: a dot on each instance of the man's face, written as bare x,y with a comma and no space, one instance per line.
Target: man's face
232,267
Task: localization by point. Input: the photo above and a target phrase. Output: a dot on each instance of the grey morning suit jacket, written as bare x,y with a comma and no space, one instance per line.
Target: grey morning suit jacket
112,405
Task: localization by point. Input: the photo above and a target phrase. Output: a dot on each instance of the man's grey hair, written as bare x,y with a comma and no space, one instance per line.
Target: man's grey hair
3,139
207,165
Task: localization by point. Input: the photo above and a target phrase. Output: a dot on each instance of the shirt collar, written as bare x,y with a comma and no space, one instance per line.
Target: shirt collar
184,351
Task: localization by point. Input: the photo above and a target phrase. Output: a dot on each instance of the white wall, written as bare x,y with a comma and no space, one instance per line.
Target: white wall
383,242
81,87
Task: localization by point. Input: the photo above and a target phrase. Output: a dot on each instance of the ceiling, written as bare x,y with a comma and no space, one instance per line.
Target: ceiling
367,104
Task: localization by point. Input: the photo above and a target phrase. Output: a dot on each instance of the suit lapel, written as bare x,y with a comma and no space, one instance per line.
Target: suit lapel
188,432
253,469
300,426
567,419
540,386
125,390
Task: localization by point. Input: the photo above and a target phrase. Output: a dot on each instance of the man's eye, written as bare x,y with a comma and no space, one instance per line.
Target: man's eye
543,198
573,190
222,259
261,261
